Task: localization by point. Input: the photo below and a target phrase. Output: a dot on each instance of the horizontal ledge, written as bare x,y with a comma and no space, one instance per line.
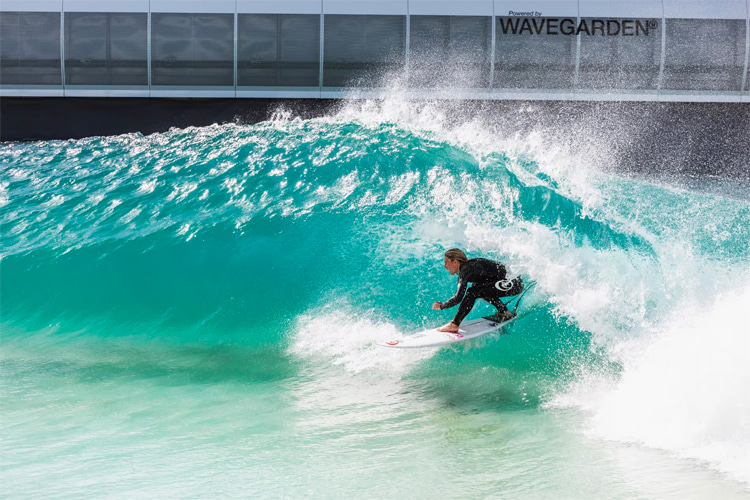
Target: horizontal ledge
382,93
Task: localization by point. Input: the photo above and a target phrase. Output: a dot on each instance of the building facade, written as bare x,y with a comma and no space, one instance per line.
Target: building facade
643,50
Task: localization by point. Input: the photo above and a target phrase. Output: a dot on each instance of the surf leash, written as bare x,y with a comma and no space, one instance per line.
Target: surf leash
518,297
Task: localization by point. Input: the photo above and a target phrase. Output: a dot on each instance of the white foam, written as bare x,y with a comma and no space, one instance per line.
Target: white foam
689,390
147,187
4,199
348,338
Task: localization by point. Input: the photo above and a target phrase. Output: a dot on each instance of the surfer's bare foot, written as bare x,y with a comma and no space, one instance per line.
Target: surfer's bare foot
450,328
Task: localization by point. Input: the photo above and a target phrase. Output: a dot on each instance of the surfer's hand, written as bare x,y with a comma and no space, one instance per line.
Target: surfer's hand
437,306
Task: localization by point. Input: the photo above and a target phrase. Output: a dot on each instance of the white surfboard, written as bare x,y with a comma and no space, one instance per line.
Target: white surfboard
433,338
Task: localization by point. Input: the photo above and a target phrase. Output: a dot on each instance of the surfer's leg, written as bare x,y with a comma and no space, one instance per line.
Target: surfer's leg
472,294
502,310
489,292
515,287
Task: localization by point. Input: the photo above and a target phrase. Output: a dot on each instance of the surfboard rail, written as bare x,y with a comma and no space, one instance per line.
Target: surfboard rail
432,338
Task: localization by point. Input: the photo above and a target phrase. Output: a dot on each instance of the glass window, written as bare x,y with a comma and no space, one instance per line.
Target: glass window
627,57
449,51
105,49
192,49
278,50
527,56
704,54
30,48
361,50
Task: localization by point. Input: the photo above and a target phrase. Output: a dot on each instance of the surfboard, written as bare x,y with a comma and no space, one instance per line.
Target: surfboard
433,338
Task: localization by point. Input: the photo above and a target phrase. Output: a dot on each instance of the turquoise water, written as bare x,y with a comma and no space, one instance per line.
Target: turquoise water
194,314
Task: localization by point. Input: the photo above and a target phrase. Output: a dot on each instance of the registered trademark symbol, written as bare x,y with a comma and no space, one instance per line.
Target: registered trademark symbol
653,24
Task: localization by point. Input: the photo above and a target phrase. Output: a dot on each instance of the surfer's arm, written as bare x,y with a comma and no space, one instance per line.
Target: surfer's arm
460,292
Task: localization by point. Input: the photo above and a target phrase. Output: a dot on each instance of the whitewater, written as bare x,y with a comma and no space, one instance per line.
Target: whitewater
195,313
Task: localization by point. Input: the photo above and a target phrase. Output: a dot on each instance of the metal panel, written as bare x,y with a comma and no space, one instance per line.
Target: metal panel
62,49
369,7
192,49
673,96
538,8
450,7
593,95
86,37
148,49
361,50
292,93
105,48
279,6
197,92
534,58
660,81
493,46
322,43
30,48
31,91
450,51
99,6
338,93
258,50
278,50
641,9
704,54
535,52
235,48
704,9
193,6
83,91
622,54
408,44
31,6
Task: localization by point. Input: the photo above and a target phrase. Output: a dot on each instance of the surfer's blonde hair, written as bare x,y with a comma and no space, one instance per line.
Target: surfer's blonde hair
456,254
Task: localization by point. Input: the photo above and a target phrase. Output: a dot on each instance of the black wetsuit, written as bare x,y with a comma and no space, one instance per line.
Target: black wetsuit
489,283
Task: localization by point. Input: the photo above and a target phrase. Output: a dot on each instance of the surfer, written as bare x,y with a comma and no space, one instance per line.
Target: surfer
488,279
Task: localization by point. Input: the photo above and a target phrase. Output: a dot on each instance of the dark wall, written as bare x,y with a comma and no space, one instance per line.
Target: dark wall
46,118
649,137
